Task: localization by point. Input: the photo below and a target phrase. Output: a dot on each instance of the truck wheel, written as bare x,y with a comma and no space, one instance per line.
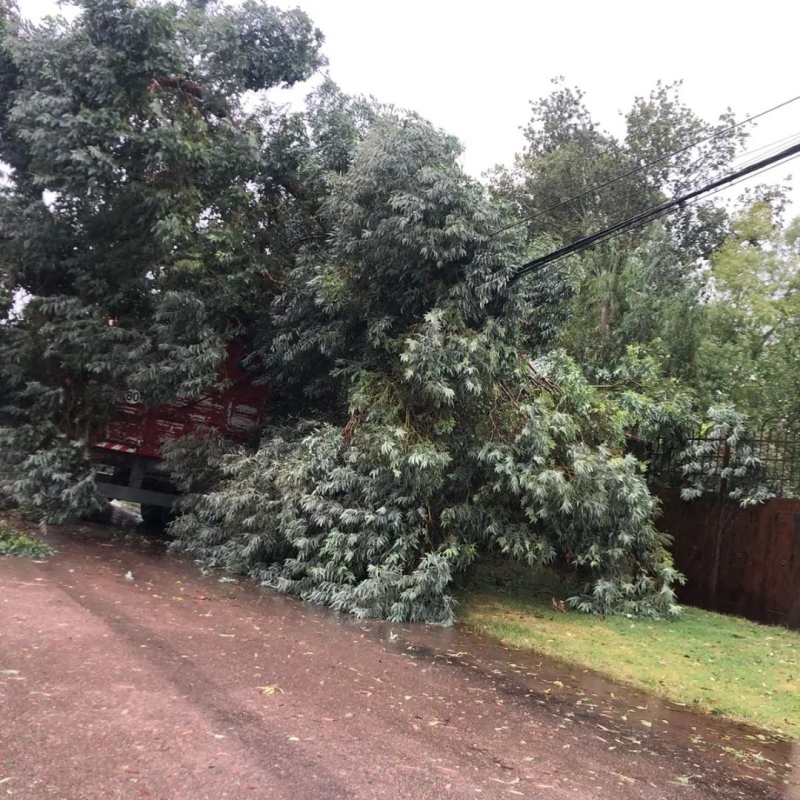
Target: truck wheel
102,516
155,517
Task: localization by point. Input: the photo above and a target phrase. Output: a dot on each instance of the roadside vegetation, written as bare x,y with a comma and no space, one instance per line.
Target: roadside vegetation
710,662
16,542
435,396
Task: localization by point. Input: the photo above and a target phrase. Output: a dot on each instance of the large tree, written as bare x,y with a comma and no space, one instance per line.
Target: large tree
749,349
442,439
148,215
152,214
572,179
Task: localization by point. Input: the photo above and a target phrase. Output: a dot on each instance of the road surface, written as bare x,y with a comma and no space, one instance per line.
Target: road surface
125,673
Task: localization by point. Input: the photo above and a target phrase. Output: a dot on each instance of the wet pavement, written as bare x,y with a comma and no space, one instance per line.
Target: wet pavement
125,673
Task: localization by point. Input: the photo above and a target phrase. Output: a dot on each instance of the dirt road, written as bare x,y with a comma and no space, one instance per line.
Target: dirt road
124,673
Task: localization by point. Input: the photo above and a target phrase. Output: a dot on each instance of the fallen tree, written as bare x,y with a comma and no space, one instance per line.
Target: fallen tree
416,422
441,438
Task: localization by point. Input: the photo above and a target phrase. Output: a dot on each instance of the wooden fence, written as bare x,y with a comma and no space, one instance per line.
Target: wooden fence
743,561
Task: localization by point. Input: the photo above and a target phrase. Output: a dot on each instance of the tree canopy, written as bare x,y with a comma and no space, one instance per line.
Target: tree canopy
749,350
426,409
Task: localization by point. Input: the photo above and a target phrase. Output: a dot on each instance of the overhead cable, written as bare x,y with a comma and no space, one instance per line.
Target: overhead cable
653,213
645,167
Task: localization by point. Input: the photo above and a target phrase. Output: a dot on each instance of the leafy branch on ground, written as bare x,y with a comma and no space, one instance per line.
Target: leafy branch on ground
14,542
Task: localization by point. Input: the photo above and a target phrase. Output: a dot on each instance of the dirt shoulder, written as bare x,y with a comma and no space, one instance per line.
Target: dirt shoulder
124,673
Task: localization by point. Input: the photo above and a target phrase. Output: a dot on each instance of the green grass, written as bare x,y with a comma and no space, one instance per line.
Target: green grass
711,662
14,542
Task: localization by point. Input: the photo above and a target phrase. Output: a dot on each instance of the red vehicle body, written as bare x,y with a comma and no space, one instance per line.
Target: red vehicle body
128,448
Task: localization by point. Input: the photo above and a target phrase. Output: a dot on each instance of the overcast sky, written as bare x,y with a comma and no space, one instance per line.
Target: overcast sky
472,68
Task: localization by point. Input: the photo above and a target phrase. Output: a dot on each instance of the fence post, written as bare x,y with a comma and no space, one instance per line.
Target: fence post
713,580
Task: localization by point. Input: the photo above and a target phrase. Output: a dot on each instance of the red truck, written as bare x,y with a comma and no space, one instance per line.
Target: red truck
128,448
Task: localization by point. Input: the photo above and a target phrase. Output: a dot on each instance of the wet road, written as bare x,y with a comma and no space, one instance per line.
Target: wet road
124,673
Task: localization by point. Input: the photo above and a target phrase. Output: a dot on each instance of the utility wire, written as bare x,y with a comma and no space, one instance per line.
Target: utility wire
644,167
776,145
642,223
743,160
768,149
652,213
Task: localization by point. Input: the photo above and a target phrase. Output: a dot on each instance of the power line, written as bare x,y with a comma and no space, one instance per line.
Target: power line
656,212
768,149
743,160
642,223
770,146
652,213
644,167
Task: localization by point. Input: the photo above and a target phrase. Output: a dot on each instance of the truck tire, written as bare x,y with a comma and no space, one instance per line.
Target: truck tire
102,516
155,517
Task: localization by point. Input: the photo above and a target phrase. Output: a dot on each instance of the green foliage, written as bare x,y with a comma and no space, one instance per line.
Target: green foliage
710,295
195,461
47,474
18,543
456,444
405,226
254,46
573,179
638,294
133,242
748,353
723,459
418,420
337,524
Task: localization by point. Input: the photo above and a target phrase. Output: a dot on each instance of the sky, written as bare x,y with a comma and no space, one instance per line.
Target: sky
473,68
